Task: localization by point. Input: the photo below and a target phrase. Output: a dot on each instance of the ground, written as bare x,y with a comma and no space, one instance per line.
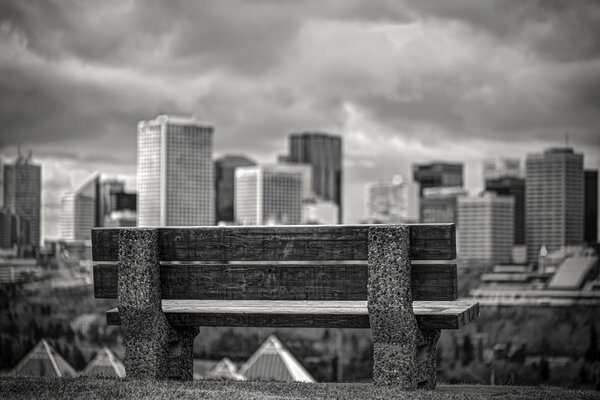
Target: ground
98,388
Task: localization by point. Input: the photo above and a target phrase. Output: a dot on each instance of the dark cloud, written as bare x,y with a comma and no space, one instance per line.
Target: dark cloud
401,81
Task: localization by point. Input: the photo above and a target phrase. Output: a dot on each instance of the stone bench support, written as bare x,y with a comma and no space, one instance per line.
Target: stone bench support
153,349
403,355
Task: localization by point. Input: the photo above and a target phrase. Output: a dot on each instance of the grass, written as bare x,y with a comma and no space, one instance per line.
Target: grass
100,388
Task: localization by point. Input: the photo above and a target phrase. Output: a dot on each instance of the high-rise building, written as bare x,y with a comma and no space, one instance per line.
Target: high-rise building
553,200
590,220
79,210
224,184
438,204
175,172
502,168
269,194
23,193
109,188
324,153
486,228
113,198
14,231
390,201
438,174
511,186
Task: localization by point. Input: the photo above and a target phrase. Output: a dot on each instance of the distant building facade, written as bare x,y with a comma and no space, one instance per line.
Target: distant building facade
590,219
79,210
269,194
438,205
175,172
486,228
390,201
502,168
319,212
224,185
515,187
324,153
554,200
22,189
438,174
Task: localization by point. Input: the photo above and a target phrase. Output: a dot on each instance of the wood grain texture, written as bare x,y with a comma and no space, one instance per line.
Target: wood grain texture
279,281
295,314
278,243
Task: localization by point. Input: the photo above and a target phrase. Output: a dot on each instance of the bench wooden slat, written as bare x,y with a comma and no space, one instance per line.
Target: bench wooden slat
279,281
317,314
278,243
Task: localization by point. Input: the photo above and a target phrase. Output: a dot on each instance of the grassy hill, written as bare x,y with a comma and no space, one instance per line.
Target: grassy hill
97,388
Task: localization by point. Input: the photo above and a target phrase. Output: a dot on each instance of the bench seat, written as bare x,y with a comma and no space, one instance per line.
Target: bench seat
302,313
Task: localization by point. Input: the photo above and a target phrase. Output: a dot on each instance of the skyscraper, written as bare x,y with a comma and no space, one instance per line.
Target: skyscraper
324,153
554,200
269,194
224,184
438,174
175,172
511,186
23,193
79,210
590,220
486,228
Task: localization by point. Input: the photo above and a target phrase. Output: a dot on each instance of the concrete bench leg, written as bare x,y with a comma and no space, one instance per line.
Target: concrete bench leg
393,323
145,329
181,353
427,358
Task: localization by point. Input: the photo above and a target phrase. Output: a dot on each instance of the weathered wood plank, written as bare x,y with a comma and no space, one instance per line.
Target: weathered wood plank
278,243
279,281
294,314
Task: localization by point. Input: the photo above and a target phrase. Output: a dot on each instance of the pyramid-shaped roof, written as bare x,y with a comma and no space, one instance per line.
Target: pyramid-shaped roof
272,361
105,364
225,369
43,361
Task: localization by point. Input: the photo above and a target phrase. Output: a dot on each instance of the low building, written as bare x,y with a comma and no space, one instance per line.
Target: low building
273,362
43,361
105,363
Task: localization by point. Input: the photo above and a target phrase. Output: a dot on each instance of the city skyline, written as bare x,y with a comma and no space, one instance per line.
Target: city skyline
456,81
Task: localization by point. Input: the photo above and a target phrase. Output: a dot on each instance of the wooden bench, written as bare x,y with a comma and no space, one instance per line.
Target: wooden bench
169,281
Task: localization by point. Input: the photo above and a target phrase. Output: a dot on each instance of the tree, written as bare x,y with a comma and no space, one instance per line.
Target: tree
467,353
592,354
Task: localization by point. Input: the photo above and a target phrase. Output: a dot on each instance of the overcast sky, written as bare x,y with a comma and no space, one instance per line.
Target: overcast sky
400,81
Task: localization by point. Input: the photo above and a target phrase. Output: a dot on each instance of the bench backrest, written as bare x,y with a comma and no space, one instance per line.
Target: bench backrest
257,263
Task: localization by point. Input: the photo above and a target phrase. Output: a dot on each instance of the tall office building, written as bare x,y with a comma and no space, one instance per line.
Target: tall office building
511,186
391,201
269,194
175,172
79,210
324,153
113,199
224,185
554,200
438,174
14,231
590,220
439,204
486,228
23,193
